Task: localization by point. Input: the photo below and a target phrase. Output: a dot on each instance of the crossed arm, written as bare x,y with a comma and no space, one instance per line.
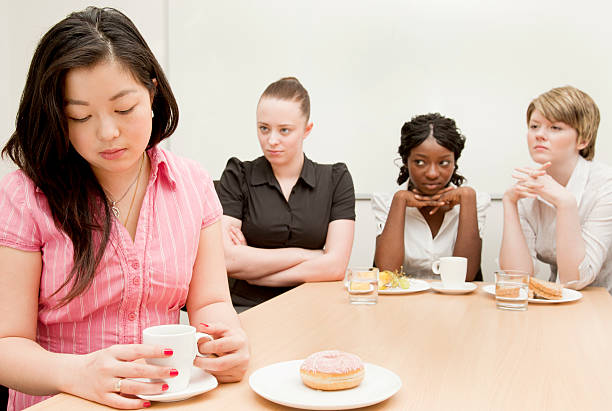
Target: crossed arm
287,266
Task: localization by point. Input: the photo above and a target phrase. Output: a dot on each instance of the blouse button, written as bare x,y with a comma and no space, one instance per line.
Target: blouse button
136,281
135,265
132,316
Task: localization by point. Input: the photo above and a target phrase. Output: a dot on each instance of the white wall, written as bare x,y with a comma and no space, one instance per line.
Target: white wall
25,21
370,66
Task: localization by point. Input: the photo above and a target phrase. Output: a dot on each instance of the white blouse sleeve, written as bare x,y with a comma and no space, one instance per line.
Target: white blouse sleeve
597,235
380,207
526,212
483,202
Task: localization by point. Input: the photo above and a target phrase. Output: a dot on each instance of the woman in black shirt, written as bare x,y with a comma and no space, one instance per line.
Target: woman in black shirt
287,220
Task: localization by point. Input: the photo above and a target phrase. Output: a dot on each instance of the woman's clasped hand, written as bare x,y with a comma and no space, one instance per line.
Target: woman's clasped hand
443,200
532,182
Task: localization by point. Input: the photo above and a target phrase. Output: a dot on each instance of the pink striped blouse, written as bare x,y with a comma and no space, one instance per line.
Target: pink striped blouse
138,284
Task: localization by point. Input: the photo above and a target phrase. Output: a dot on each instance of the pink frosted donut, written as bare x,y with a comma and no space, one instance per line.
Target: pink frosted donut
332,370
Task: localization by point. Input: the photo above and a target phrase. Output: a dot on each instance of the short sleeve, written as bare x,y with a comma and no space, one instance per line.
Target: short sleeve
343,202
380,208
18,228
483,202
212,206
230,188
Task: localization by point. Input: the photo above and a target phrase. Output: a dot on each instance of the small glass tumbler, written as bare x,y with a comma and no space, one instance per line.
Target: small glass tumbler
511,289
362,285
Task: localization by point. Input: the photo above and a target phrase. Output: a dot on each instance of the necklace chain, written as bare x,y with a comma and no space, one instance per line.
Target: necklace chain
113,203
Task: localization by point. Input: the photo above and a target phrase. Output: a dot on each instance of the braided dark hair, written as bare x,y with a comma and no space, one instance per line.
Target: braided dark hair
443,129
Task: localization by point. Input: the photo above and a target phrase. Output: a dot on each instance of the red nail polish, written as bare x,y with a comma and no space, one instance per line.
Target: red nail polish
146,404
165,387
173,372
168,351
205,325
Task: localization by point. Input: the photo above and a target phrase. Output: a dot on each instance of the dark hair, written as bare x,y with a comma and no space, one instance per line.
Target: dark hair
40,145
289,88
443,129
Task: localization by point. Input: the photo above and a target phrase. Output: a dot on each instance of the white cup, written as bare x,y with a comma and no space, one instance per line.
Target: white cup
451,270
183,340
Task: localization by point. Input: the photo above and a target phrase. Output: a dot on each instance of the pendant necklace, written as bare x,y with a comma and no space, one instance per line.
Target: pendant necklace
113,203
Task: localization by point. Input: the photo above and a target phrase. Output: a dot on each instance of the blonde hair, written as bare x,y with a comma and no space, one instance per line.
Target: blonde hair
574,108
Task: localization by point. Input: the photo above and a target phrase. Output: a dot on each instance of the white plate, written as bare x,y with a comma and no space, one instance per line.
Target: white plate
467,288
281,383
415,287
567,295
200,382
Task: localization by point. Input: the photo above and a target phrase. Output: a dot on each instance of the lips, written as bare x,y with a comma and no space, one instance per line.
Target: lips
541,148
430,188
275,152
112,153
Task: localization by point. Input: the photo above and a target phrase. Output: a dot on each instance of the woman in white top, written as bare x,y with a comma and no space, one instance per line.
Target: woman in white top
561,212
434,216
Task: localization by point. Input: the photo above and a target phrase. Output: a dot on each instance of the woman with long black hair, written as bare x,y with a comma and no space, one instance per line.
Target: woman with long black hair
102,232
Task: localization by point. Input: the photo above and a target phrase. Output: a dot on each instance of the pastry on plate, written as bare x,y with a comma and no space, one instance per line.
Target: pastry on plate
545,289
332,370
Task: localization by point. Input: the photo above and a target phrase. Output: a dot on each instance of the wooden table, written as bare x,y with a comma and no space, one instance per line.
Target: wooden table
452,352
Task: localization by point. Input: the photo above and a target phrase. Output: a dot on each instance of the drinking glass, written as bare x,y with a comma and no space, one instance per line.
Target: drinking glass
362,285
511,289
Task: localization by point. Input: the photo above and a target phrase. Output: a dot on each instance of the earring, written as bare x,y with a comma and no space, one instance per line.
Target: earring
152,114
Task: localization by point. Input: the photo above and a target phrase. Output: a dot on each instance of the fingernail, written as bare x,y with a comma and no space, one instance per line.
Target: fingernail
146,404
168,351
173,372
205,325
165,387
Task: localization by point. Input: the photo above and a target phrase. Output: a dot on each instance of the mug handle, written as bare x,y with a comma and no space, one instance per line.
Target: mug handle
435,267
198,337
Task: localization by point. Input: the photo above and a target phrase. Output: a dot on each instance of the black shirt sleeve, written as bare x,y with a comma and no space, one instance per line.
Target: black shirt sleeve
343,202
230,189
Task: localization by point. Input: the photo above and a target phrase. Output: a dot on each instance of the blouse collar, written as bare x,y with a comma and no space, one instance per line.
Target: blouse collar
262,172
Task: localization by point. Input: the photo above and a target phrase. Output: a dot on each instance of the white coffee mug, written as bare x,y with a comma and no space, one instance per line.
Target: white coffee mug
451,270
183,340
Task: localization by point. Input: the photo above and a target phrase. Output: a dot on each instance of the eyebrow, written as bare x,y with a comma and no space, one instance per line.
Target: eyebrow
449,155
115,97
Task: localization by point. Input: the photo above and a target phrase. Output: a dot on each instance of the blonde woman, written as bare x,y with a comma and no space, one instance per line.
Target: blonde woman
561,212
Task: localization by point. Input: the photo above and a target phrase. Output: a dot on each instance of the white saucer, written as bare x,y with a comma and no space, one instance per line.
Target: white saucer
467,288
200,382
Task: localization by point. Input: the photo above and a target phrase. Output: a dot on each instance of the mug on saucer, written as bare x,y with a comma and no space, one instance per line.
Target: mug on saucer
183,340
452,271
